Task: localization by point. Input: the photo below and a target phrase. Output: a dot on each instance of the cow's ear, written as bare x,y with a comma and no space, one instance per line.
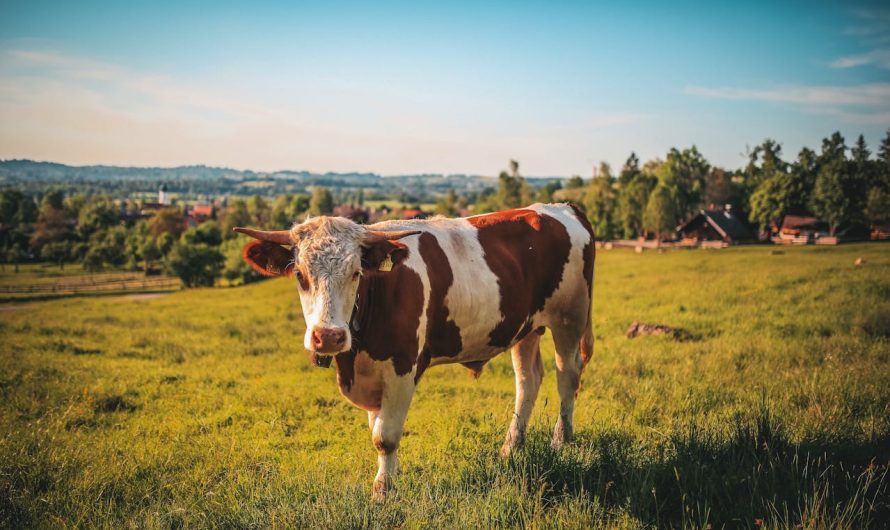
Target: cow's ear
269,259
383,255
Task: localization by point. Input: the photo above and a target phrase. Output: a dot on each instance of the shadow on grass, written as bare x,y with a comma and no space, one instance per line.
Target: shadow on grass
753,477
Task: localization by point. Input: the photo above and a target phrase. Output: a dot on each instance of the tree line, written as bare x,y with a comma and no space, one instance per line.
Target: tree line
840,185
837,184
101,233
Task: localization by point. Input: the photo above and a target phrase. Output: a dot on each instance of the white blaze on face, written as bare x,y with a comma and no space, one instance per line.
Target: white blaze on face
328,257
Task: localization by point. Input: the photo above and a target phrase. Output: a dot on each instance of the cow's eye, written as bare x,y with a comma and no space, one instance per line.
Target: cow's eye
355,275
302,280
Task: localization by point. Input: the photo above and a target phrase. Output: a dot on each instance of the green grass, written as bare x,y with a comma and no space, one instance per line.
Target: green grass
201,409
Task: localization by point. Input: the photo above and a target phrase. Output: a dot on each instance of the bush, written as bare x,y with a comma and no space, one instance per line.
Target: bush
197,265
236,270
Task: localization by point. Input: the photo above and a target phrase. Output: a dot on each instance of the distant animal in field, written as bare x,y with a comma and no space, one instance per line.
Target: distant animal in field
389,300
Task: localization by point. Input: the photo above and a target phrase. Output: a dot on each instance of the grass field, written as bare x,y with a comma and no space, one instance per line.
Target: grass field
201,409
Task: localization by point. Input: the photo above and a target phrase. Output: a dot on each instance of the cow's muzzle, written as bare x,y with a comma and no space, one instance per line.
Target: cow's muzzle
328,340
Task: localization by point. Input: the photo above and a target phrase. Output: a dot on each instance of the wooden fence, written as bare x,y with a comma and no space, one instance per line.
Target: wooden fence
94,284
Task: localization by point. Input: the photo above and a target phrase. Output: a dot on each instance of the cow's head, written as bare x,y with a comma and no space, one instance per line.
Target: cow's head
327,256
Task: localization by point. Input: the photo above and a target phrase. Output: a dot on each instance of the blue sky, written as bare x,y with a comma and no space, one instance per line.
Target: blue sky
452,87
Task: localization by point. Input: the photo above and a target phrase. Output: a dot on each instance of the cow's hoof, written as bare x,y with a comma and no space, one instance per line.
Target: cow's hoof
507,451
379,490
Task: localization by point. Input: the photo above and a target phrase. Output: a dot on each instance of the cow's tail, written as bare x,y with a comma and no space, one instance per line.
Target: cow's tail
586,347
587,343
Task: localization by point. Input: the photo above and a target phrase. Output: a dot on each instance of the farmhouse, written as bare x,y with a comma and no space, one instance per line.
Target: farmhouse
803,230
719,224
800,230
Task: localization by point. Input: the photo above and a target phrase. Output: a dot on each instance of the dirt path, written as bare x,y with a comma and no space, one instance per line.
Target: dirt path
9,308
13,307
144,296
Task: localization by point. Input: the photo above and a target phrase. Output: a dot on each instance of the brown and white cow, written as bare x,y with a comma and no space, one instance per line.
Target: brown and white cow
389,300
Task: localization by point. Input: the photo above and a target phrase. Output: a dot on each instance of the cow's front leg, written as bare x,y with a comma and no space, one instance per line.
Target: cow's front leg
386,429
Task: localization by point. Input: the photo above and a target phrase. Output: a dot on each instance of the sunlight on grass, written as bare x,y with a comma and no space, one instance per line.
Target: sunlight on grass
201,409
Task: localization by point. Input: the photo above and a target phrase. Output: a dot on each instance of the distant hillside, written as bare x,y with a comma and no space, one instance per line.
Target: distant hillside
204,181
196,182
51,171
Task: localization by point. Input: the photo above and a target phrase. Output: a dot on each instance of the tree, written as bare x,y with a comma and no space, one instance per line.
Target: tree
167,221
514,168
718,187
683,172
10,200
14,255
884,159
599,203
770,200
97,214
545,194
322,202
877,206
877,202
50,226
574,183
73,204
632,198
831,200
196,265
660,216
57,252
206,233
150,253
259,211
447,204
861,176
630,170
235,269
509,194
107,247
287,209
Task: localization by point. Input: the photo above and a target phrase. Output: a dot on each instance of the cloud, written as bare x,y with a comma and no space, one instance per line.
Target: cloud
56,106
878,57
860,104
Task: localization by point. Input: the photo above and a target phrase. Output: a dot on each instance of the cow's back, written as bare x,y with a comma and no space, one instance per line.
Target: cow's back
491,279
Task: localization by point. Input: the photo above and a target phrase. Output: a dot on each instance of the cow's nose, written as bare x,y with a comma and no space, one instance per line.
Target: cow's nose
328,340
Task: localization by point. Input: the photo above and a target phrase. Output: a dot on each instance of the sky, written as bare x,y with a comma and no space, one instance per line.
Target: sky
423,87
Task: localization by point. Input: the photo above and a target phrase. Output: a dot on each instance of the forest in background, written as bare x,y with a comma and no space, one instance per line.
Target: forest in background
96,216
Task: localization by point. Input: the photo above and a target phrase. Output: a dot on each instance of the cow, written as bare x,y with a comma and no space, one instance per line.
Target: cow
389,300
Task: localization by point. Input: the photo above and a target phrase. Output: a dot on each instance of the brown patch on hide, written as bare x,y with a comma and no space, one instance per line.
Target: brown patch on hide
384,447
442,335
387,316
527,251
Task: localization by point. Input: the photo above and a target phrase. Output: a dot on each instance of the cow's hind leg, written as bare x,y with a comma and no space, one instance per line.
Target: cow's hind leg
386,429
529,372
567,339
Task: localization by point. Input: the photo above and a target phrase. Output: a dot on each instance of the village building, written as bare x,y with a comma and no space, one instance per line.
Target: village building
714,225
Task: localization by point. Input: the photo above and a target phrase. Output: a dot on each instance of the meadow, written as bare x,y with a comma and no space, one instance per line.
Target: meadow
200,409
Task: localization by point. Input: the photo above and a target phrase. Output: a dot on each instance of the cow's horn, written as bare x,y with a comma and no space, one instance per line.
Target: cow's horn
282,237
376,236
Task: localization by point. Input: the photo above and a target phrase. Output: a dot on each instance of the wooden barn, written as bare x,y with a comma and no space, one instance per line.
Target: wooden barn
719,224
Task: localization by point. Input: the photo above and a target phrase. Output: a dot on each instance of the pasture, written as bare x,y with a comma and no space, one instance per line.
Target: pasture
200,408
